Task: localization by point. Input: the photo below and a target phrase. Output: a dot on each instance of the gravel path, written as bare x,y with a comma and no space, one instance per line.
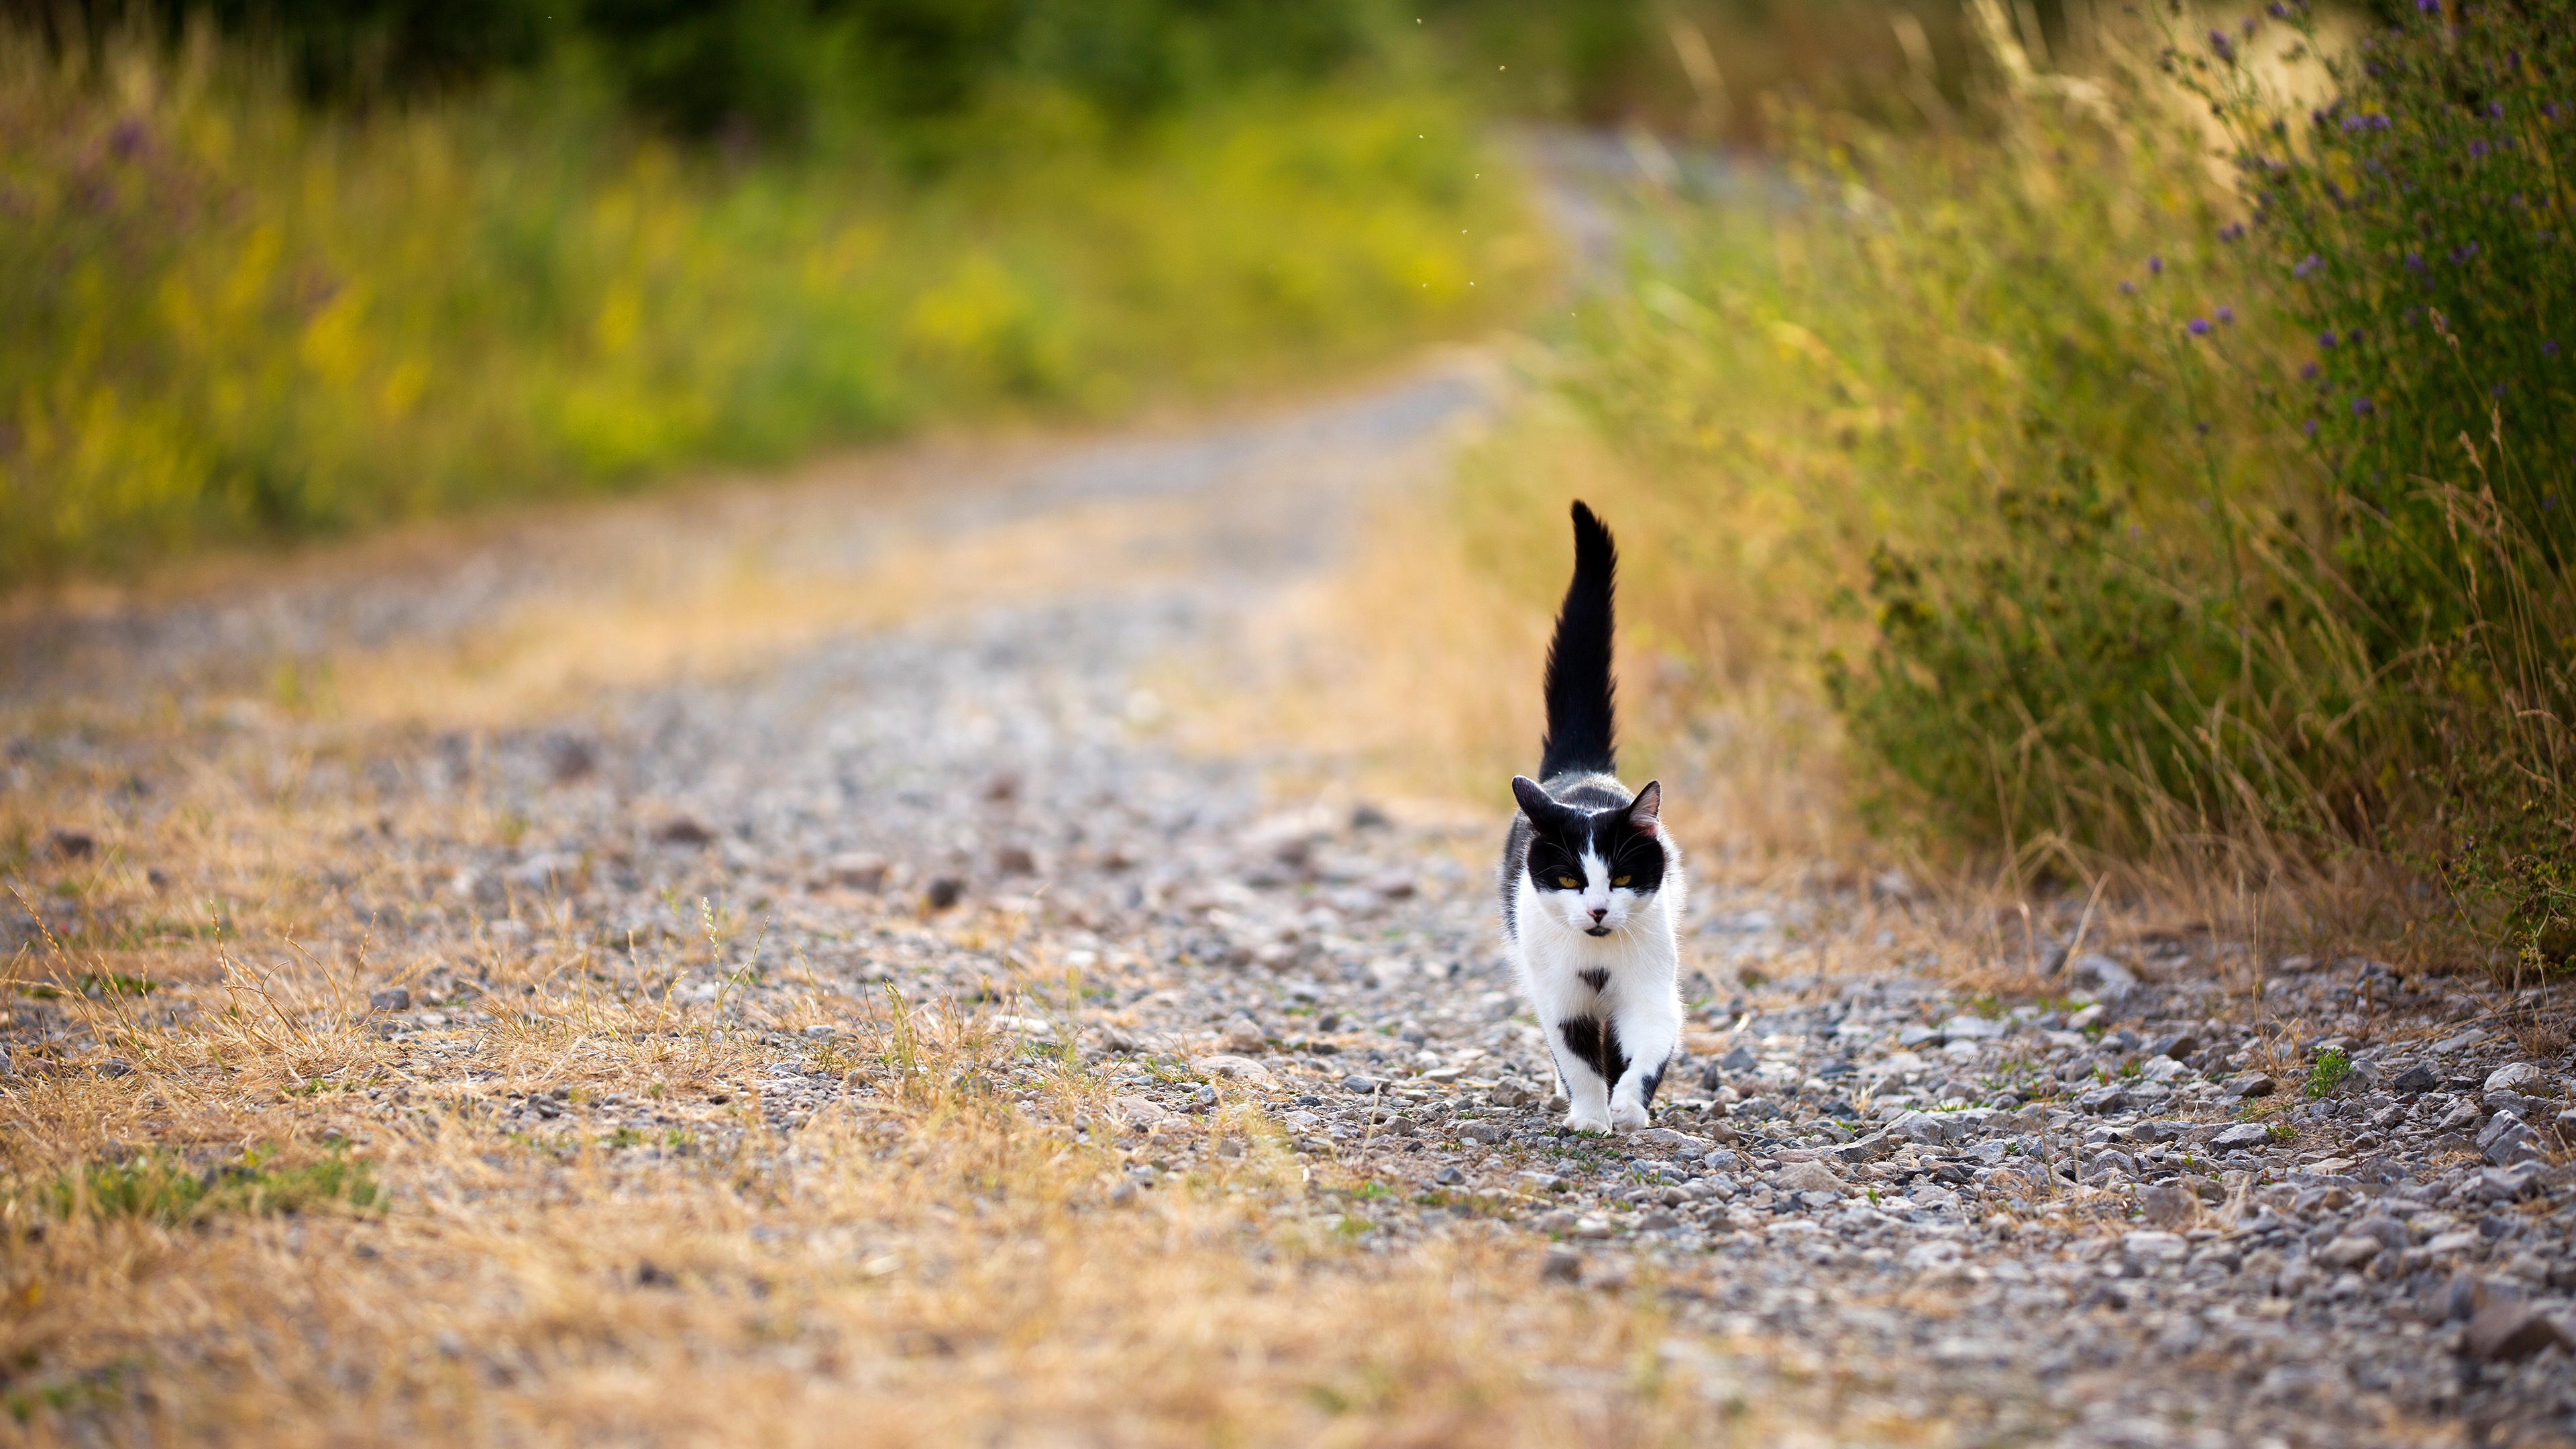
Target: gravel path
2115,1216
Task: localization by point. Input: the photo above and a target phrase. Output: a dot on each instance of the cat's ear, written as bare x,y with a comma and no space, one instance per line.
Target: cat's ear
1648,807
1536,803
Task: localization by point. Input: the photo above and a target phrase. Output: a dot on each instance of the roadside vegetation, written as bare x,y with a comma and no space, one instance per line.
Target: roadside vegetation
2156,469
258,290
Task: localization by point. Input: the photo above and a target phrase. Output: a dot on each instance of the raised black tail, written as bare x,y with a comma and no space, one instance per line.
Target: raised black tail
1579,735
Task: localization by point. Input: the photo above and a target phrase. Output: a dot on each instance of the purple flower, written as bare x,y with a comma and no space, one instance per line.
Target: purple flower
2226,314
2461,254
2325,339
2415,261
2307,369
2496,391
2549,347
2311,428
2429,7
2277,10
2156,266
2496,109
2361,407
2307,264
2199,326
2221,46
2128,289
2477,149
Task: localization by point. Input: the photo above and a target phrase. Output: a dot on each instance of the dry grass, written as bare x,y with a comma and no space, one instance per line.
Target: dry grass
935,1254
939,1252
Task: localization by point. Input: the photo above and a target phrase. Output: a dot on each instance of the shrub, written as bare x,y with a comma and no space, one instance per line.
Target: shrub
2418,232
2169,518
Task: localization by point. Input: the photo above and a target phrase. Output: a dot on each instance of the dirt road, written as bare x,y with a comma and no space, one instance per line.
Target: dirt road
767,967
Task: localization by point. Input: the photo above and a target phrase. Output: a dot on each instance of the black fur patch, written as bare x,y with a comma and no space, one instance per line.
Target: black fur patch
1595,1043
1596,978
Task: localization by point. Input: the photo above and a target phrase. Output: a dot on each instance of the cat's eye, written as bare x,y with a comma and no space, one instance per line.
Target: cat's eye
1569,882
1620,880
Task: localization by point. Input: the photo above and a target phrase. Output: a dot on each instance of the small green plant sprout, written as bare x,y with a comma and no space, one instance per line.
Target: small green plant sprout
2281,1132
2328,1071
163,1189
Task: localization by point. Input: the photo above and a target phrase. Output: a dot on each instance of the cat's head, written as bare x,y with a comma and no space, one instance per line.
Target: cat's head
1595,859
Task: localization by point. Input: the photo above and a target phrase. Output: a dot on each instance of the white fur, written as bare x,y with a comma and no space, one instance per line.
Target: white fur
1641,998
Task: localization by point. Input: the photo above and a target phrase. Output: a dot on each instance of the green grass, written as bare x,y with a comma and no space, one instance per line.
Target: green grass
2328,1072
234,319
158,1188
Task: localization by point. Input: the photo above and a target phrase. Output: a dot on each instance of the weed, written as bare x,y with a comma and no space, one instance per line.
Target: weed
159,1188
2332,1066
2281,1132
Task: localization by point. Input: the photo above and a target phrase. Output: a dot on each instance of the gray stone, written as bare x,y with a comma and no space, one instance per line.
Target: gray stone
2107,978
2351,1250
1871,1148
2511,1332
2414,1081
2168,1207
392,998
2104,1099
1739,1060
2507,1140
2503,1183
1809,1177
1562,1265
2249,1084
2513,1077
2150,1245
2241,1134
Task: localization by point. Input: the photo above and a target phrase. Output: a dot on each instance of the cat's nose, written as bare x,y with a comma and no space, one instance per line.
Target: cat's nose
1599,911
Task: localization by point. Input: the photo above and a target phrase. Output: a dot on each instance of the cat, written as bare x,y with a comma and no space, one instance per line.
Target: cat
1592,885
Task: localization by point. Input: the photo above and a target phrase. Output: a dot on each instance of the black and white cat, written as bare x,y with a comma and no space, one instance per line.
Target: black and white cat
1592,886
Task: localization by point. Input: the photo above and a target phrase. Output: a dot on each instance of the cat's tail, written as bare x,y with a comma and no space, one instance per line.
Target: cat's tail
1578,660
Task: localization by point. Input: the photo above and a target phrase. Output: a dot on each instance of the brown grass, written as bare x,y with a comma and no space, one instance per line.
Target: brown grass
936,1254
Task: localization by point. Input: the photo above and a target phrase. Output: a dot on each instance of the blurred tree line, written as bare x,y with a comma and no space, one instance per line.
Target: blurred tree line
780,71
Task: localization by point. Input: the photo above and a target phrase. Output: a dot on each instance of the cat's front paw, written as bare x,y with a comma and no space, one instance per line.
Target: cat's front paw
1626,1116
1579,1120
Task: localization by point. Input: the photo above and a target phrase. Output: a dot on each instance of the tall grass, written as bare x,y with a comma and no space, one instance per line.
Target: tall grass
2142,511
231,316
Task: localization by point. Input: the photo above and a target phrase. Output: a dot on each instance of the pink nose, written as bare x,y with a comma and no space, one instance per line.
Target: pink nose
1599,911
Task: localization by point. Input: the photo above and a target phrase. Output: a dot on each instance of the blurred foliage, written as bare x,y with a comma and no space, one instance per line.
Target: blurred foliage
234,316
2145,512
787,71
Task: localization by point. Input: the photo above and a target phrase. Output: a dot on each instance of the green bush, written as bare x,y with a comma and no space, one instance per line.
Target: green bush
2417,229
2170,518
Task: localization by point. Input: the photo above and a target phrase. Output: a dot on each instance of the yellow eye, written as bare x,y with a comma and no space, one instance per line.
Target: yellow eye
1569,882
1619,880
